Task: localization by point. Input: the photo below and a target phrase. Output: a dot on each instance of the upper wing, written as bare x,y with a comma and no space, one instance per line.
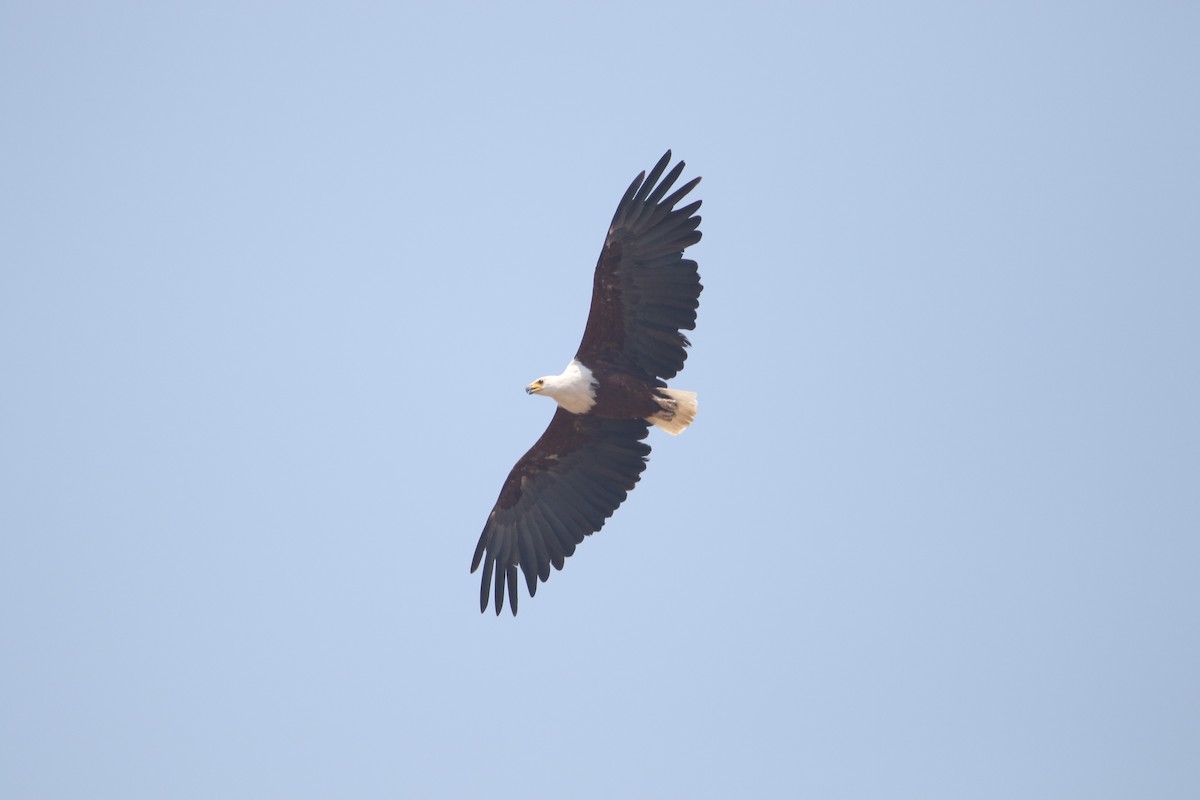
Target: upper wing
644,292
562,490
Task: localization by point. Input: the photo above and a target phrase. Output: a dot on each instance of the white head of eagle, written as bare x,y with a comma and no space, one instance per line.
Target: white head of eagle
574,389
644,295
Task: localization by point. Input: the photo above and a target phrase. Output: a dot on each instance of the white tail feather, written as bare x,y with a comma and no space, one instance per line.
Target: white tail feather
678,410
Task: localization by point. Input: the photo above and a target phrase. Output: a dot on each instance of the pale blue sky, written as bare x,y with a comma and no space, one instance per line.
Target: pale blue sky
273,278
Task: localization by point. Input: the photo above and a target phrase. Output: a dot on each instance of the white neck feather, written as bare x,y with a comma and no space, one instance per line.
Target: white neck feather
574,389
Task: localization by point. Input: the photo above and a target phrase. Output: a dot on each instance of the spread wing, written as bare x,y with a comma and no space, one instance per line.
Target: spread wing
644,291
563,489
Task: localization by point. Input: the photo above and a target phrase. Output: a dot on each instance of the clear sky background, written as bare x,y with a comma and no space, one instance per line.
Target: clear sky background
273,278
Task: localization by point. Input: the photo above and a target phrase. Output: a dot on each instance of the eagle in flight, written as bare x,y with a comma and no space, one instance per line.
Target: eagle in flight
644,293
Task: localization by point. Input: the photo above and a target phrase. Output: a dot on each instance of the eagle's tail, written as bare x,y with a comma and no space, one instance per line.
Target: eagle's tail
678,409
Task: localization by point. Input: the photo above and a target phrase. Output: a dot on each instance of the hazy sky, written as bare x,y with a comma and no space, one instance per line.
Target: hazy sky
273,278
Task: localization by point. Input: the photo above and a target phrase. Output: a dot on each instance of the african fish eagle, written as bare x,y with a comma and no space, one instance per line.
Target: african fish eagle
644,293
